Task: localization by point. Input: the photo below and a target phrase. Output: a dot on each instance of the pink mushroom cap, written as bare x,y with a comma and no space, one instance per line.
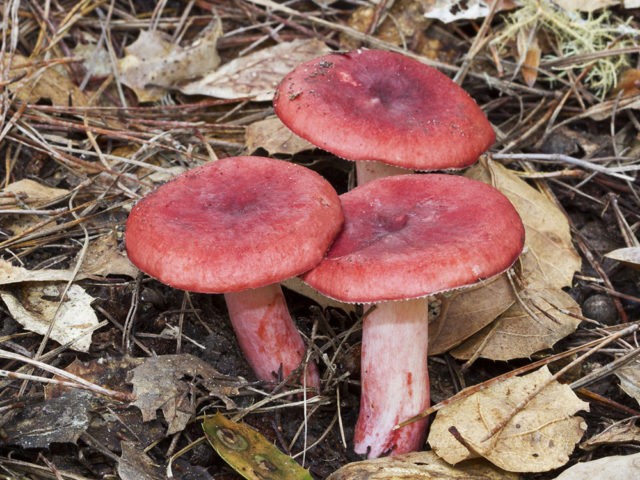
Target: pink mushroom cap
234,224
383,106
410,236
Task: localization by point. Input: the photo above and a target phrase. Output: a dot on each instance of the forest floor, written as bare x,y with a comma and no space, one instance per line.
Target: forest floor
90,124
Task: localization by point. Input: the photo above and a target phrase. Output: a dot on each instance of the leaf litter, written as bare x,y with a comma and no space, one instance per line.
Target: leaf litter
90,123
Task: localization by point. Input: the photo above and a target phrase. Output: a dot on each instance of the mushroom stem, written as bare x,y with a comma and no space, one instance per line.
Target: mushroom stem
367,170
267,334
394,378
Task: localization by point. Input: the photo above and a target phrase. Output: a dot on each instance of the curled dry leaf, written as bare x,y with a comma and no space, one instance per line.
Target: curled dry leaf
419,466
537,438
167,383
448,11
469,312
585,5
36,305
620,467
257,74
518,334
153,64
274,137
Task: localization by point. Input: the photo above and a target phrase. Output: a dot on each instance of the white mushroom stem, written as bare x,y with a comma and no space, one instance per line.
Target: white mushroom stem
267,334
367,170
394,378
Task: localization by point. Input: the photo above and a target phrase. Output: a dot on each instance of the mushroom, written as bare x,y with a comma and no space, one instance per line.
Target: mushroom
238,226
407,237
383,107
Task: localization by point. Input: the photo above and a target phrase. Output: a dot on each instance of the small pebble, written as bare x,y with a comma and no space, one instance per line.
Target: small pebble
600,307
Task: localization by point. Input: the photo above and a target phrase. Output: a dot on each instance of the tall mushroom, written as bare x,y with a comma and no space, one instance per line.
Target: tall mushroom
375,106
239,226
404,238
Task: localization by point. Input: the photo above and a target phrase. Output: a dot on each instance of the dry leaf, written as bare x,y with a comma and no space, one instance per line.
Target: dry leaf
167,382
273,136
529,52
104,257
256,74
618,433
42,82
629,83
621,467
37,304
152,63
629,377
538,438
448,11
515,334
585,5
52,421
469,312
11,274
419,466
629,256
29,192
134,464
95,56
549,260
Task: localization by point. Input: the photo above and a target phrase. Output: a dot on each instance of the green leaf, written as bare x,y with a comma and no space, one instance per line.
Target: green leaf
249,453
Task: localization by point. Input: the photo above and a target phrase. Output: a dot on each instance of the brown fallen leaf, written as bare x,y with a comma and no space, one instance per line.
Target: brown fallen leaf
35,305
153,64
618,433
257,74
31,193
134,464
42,81
549,260
469,312
166,383
419,466
104,257
516,334
537,438
529,52
273,136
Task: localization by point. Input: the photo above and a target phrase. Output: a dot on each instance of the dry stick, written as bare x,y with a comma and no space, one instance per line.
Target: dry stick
606,370
526,368
478,42
74,380
625,230
362,37
557,157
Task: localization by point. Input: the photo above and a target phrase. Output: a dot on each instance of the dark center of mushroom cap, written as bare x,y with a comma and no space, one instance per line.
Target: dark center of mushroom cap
377,105
414,235
240,222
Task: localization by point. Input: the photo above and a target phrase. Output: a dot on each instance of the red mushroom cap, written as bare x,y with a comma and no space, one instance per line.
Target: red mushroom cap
233,224
409,236
378,105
